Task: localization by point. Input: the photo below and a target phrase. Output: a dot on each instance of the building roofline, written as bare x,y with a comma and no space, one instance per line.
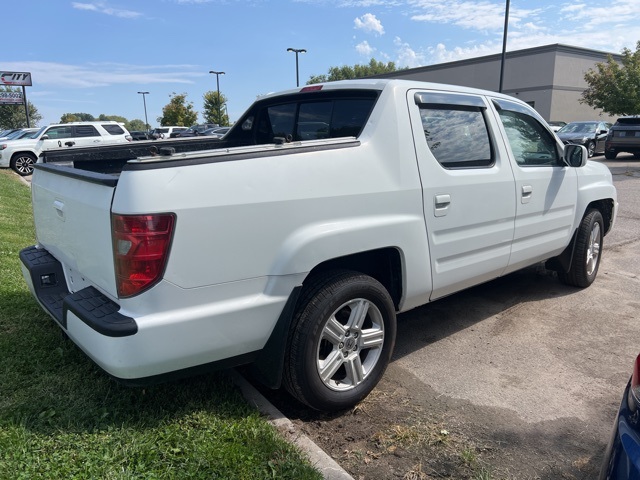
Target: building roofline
556,47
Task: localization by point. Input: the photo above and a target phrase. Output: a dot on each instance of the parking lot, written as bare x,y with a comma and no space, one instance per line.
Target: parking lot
525,371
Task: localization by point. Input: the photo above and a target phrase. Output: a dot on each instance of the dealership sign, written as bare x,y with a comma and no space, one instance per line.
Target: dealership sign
11,98
15,79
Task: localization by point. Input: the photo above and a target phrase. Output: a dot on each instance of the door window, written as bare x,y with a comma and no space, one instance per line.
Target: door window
531,143
56,133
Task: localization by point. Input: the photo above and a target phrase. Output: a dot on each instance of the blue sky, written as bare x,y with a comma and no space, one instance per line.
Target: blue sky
93,56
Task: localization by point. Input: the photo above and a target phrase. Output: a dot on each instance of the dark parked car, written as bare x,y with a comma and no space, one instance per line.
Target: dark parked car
590,134
622,457
624,136
139,135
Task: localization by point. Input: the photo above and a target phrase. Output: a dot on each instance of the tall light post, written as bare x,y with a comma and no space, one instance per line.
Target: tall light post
144,100
297,51
217,74
504,45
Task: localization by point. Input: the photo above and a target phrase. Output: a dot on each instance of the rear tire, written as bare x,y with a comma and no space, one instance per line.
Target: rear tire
610,155
587,252
341,340
22,163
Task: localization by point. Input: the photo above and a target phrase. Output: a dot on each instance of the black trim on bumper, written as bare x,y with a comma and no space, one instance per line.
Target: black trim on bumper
88,304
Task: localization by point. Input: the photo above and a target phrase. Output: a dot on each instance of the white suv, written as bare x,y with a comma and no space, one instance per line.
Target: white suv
20,155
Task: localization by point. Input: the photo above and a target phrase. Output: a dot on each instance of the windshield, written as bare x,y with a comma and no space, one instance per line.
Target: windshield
587,127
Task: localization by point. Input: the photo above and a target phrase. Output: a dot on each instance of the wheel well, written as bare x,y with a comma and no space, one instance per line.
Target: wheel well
605,207
383,264
16,154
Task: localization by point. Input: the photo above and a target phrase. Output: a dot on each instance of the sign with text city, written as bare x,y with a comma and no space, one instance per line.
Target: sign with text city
20,79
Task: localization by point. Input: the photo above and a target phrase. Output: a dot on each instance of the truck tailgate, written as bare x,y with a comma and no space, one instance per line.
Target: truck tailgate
71,210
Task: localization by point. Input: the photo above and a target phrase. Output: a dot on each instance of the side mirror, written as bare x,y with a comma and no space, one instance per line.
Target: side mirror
602,131
575,155
44,137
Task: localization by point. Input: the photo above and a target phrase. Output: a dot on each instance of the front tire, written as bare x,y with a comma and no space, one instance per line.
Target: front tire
22,163
341,340
610,155
587,252
591,149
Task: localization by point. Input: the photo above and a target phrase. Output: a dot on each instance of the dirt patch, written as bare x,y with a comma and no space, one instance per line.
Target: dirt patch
405,430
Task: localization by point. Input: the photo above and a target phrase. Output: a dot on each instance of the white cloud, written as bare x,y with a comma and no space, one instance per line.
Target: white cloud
407,56
369,23
101,7
482,16
51,74
364,49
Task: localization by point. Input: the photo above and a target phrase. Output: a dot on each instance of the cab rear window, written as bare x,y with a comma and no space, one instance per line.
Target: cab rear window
314,117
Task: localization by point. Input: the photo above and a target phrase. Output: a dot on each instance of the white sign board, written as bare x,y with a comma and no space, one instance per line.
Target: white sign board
19,79
11,98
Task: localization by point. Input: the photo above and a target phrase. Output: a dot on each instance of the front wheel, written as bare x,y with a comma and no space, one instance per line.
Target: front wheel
341,341
587,251
610,155
591,149
22,163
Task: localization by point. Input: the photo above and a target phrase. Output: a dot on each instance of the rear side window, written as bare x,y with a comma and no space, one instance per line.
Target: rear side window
457,135
86,131
113,129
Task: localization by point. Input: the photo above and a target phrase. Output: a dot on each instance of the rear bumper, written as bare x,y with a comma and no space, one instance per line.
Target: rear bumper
47,283
165,330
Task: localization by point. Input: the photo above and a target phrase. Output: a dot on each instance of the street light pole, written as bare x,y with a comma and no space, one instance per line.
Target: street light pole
144,100
297,51
504,45
217,74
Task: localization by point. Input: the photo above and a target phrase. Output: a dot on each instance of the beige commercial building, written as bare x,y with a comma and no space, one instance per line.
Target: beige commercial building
549,78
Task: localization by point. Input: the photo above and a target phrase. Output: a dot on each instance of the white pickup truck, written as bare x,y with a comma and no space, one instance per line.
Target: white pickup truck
293,244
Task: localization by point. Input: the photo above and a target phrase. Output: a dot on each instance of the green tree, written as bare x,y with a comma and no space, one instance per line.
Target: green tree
347,72
178,111
136,124
215,109
114,118
76,117
68,118
613,87
13,116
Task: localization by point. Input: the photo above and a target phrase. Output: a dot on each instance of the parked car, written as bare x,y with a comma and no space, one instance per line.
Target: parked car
165,132
217,132
195,130
5,134
555,126
622,459
624,136
21,154
22,133
139,135
591,134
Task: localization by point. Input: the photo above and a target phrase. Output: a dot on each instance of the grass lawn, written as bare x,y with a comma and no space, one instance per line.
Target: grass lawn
61,417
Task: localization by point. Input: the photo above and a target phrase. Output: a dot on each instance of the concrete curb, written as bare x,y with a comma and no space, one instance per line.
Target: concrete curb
323,462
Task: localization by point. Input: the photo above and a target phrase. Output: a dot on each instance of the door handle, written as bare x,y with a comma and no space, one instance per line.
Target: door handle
441,204
527,192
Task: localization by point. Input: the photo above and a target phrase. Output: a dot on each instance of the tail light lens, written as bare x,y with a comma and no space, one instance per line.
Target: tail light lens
634,390
140,250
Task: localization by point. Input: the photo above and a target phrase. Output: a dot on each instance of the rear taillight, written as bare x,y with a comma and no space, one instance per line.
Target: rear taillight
634,389
140,250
